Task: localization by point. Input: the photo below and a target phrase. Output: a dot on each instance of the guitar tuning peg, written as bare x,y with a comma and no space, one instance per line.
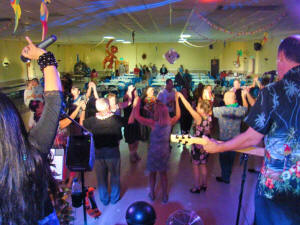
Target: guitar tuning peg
180,141
189,136
176,136
185,142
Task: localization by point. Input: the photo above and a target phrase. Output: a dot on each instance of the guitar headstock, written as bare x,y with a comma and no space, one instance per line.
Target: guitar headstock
186,139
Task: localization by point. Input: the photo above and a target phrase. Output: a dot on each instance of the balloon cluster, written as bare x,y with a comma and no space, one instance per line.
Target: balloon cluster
110,55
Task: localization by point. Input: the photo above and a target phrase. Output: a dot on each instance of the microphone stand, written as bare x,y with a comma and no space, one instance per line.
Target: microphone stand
81,172
244,159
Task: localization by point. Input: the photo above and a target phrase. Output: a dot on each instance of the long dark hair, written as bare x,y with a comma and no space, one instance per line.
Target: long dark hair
23,175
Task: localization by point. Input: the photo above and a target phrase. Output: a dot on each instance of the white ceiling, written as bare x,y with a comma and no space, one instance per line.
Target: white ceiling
87,21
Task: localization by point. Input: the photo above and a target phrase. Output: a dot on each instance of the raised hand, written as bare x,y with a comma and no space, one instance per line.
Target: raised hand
31,51
82,105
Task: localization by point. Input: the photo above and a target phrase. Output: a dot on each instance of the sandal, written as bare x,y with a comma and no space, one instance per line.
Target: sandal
203,188
195,190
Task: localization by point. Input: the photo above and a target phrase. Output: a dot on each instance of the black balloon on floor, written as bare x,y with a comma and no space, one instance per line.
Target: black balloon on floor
140,213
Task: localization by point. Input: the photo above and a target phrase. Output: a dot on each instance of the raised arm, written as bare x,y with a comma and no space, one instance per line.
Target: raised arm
42,135
188,106
137,115
89,90
82,115
244,98
125,103
92,87
66,122
175,118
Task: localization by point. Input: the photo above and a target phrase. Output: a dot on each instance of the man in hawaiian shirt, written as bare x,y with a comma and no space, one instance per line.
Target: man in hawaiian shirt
276,118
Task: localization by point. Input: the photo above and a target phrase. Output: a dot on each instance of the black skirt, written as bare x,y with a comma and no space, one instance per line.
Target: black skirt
132,133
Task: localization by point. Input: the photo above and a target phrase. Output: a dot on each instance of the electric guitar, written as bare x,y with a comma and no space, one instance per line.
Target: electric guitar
189,140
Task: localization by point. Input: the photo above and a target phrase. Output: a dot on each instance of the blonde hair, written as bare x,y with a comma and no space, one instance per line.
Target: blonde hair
161,114
205,105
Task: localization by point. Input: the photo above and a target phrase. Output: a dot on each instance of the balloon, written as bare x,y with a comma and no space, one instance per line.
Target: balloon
15,4
171,56
44,13
110,55
140,213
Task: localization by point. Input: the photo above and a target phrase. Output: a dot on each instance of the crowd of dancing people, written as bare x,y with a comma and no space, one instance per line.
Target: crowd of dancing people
151,117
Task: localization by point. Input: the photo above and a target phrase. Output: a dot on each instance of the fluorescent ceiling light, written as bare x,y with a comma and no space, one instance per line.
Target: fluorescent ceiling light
126,42
109,37
119,40
181,41
185,35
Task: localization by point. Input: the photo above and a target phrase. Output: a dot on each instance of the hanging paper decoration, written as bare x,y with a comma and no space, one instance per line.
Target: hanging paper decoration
266,35
237,62
110,55
132,35
171,56
243,33
15,4
44,13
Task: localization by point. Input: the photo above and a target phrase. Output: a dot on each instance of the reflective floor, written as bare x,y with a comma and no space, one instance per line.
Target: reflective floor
216,206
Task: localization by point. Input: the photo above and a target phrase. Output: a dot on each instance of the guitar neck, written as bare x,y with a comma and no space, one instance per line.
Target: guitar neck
189,140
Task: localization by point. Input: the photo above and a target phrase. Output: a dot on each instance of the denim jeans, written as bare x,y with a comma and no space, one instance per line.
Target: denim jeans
103,167
226,162
51,219
272,212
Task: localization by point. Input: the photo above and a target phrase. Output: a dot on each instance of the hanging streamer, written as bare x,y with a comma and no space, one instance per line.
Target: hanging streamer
243,33
98,43
44,13
198,46
15,4
265,39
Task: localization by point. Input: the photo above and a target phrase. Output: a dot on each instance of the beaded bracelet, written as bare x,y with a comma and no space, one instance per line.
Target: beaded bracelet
47,59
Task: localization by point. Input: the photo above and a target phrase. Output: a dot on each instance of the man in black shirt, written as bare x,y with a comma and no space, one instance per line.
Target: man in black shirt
106,128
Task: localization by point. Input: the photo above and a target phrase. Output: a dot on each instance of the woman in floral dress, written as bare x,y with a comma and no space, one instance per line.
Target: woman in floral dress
202,125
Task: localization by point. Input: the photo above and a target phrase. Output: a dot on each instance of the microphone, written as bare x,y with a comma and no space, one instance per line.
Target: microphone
44,44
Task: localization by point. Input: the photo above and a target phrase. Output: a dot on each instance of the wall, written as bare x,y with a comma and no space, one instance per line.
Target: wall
191,58
16,69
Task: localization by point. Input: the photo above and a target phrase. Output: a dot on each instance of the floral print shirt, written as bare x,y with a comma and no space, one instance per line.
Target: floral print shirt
230,119
202,129
276,114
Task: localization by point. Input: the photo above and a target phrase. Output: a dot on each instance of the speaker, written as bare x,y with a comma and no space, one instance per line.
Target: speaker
80,153
257,46
211,46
